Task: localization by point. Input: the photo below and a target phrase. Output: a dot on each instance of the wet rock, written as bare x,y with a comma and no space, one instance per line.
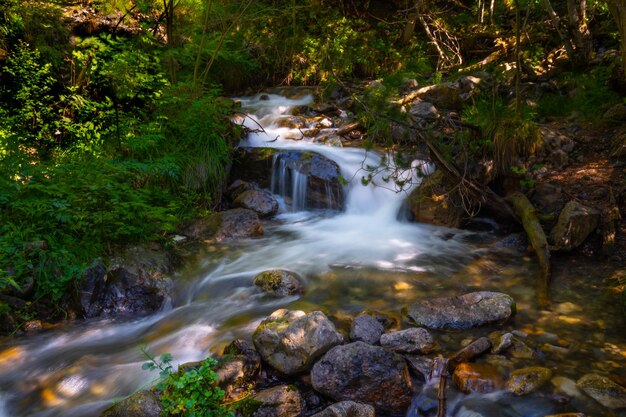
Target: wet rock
347,409
280,401
413,340
463,312
477,377
603,390
136,282
526,380
324,187
500,342
367,329
238,187
520,350
238,369
477,347
420,366
364,373
226,226
260,201
575,224
290,341
279,282
433,202
140,404
423,110
565,386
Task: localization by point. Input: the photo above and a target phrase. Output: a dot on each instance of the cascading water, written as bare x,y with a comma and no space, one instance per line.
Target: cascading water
359,258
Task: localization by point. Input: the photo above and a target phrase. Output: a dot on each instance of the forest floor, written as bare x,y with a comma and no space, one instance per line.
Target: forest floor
595,175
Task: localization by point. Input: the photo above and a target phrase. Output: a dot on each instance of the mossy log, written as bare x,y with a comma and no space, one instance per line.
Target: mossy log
528,216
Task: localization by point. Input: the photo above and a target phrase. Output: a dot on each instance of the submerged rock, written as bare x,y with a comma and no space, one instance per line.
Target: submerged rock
364,373
347,409
366,328
290,341
280,401
279,282
260,201
526,380
463,312
477,377
603,390
140,404
575,224
414,340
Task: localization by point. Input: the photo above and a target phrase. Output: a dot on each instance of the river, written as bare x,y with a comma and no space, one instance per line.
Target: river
362,257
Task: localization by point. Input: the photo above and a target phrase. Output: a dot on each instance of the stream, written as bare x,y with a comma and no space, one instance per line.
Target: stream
362,257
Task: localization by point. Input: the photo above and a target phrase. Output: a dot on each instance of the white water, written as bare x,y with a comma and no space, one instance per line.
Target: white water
78,370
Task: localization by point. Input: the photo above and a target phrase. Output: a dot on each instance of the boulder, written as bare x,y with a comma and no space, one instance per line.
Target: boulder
290,341
347,409
413,340
260,201
279,283
526,380
238,187
136,282
575,224
226,226
367,374
367,329
280,401
275,169
140,404
452,95
433,202
603,390
477,377
548,199
463,312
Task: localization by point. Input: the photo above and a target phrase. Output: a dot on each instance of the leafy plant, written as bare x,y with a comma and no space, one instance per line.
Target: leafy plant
510,135
190,393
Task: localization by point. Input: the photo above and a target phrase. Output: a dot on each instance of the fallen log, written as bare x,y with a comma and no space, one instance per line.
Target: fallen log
528,215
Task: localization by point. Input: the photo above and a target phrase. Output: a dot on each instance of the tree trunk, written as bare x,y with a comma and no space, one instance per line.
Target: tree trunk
556,21
579,30
537,237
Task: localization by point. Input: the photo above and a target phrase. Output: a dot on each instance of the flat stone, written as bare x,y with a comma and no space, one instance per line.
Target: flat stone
463,312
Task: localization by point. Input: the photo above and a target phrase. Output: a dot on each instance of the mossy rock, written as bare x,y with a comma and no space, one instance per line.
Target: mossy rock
279,282
140,404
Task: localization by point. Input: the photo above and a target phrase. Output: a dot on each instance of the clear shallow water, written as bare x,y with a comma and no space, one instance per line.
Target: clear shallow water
362,258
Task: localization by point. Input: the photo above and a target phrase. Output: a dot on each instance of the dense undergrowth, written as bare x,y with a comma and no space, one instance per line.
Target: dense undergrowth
114,131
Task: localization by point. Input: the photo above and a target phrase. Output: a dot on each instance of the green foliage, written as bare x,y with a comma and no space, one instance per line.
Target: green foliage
587,95
508,136
190,393
27,95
